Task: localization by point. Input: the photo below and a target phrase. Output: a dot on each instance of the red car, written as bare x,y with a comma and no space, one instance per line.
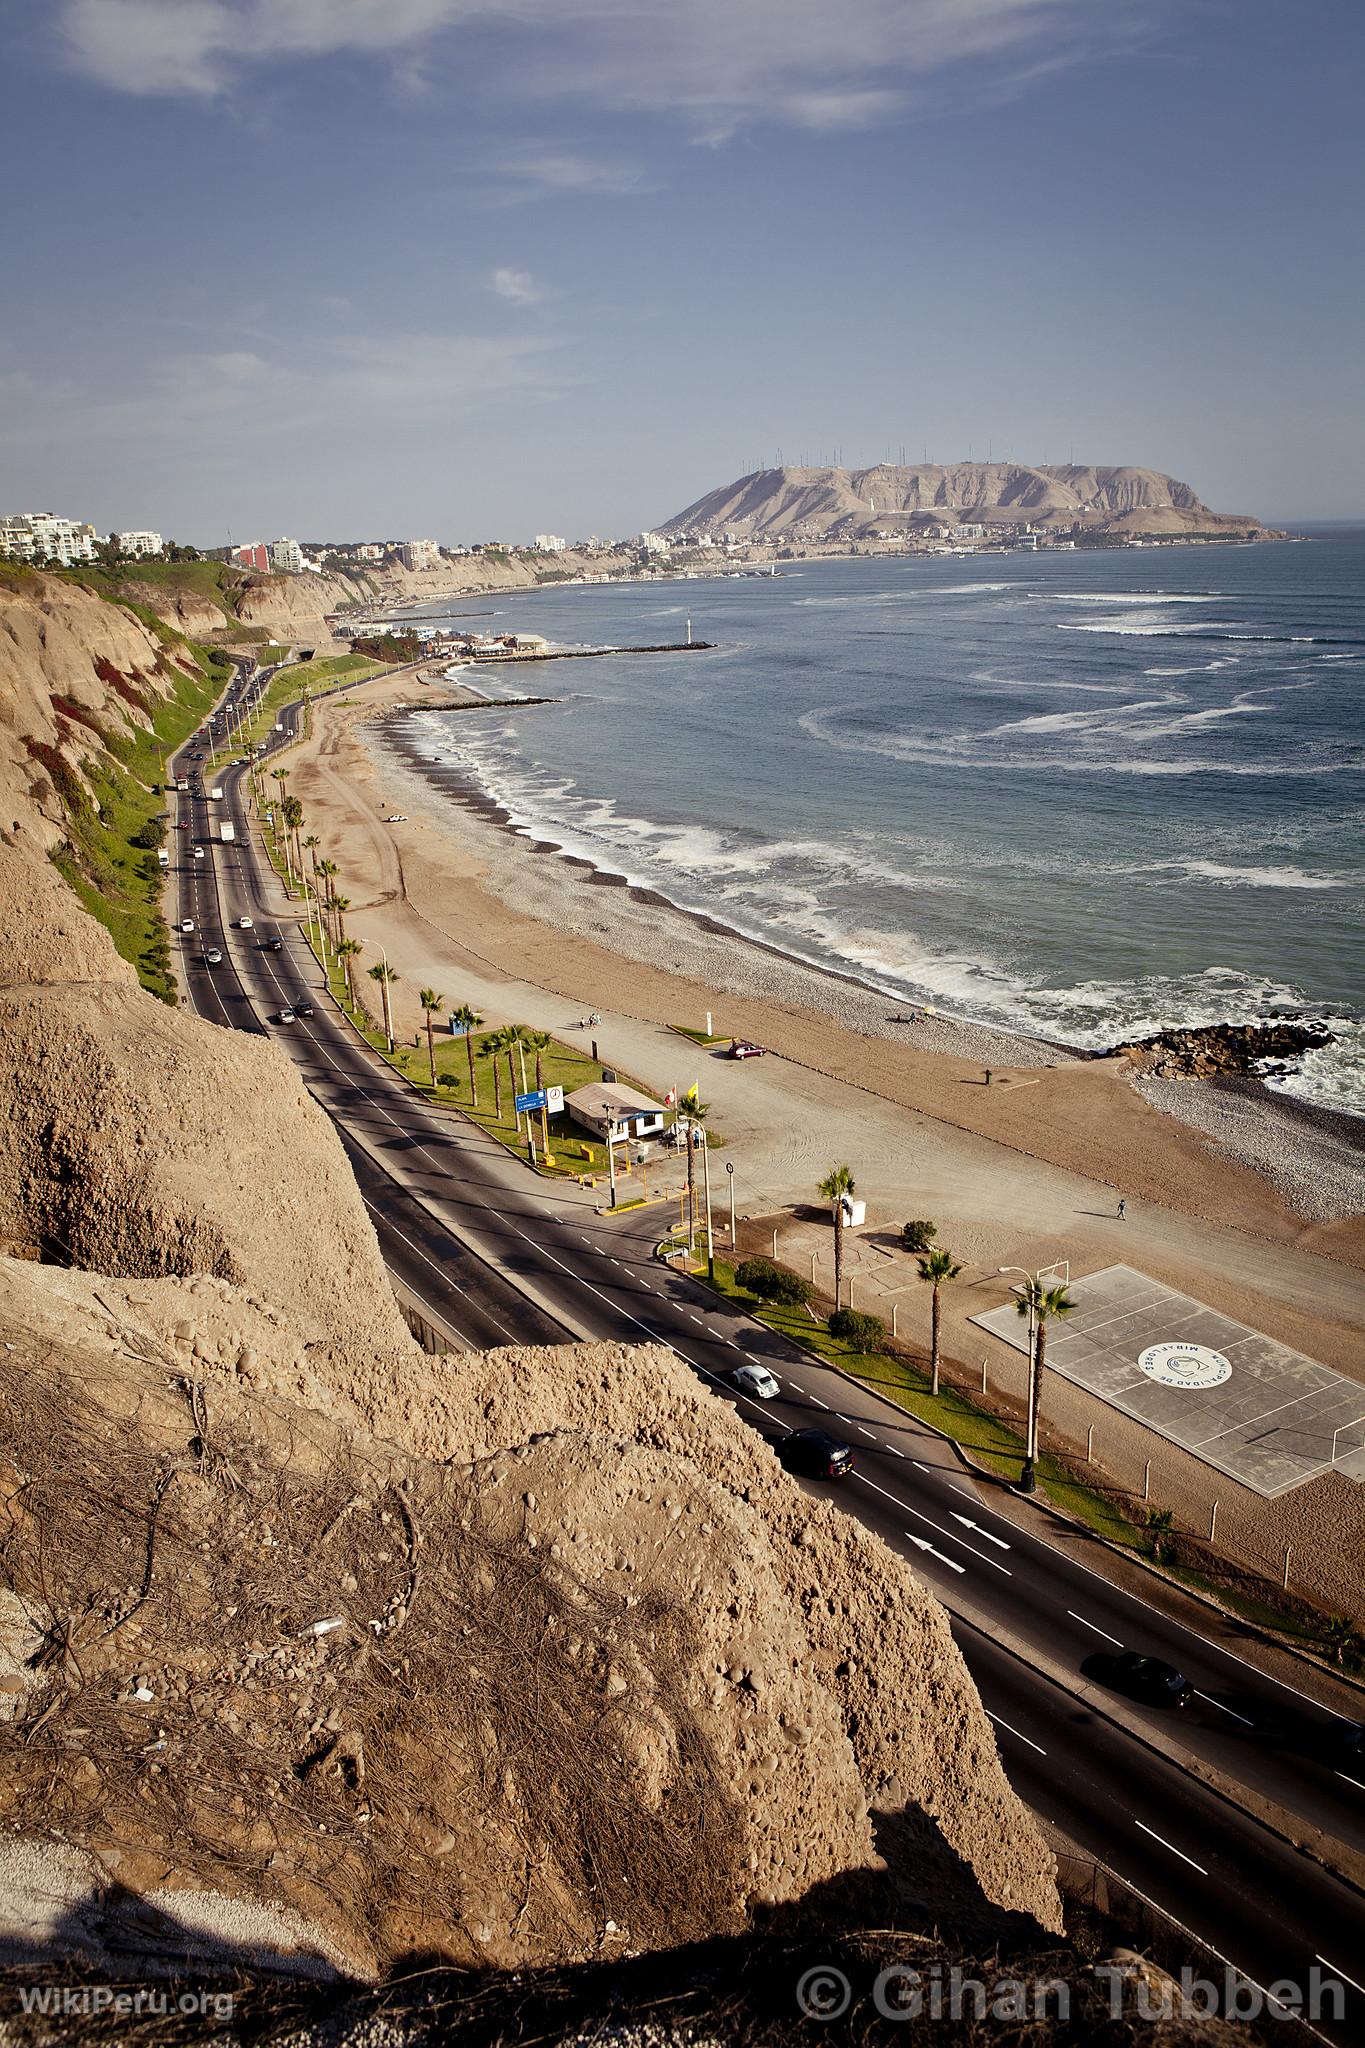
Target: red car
742,1049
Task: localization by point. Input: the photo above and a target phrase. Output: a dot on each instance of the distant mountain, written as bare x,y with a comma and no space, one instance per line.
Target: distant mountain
859,504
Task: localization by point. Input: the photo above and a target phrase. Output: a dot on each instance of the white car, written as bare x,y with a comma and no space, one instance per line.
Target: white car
756,1380
199,853
285,1017
187,924
214,958
244,924
398,818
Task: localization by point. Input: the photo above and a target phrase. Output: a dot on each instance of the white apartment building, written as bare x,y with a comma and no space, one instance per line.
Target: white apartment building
419,554
550,543
286,555
41,536
140,545
655,543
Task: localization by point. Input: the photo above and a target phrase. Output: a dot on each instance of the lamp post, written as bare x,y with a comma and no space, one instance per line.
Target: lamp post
730,1171
706,1197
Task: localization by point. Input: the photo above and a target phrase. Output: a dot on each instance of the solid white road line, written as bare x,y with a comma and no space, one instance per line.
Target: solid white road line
1095,1625
1171,1846
1222,1709
1000,1722
1338,1973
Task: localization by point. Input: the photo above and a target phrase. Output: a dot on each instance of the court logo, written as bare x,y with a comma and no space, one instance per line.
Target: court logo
1184,1365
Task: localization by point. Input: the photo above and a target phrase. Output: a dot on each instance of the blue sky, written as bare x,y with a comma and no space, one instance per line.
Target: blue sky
467,268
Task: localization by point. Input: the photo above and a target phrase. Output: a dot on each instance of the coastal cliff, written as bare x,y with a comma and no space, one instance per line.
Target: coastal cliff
522,1659
829,505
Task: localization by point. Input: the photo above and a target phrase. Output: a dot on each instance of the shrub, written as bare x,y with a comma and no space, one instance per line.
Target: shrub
773,1283
860,1332
150,834
918,1236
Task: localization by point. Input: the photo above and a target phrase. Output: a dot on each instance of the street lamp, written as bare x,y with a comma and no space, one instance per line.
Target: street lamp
730,1170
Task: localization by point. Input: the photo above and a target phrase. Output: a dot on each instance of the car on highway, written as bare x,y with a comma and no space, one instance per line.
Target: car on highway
744,1049
199,853
817,1454
1151,1680
284,1016
756,1380
274,945
213,958
187,924
245,924
303,1008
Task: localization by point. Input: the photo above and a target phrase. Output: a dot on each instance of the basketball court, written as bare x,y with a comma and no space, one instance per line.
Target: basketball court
1266,1415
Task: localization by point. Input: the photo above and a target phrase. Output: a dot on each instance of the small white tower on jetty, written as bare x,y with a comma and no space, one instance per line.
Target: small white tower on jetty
689,630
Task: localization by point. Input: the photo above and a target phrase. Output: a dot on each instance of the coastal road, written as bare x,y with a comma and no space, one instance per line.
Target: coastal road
502,1257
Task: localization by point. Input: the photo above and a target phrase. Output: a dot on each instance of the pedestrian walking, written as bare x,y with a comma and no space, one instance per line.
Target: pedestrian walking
1123,1208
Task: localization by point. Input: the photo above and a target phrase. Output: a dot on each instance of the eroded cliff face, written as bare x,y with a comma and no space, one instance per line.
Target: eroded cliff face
521,1657
72,668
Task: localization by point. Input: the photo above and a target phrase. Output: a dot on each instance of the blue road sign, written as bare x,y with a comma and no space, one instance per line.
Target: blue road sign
535,1100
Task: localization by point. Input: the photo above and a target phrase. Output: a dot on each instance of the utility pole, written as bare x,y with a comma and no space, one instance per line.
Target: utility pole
706,1184
730,1172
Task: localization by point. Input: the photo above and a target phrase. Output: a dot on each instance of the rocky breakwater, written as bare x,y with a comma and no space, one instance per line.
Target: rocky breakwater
517,1659
1205,1051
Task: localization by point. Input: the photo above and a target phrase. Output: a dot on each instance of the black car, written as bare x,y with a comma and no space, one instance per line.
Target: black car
303,1009
817,1454
1152,1680
274,945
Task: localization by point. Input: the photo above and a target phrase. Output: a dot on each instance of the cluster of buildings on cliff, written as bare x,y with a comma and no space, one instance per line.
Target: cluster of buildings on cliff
48,537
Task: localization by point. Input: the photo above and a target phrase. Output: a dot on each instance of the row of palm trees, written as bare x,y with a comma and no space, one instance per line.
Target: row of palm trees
512,1043
1040,1299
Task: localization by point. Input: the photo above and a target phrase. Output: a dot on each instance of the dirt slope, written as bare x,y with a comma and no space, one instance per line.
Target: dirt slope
598,1659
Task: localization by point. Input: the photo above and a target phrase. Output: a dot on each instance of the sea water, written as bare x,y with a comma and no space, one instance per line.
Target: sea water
1088,795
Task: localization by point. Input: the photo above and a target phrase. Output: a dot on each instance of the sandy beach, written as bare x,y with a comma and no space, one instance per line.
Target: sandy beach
1028,1168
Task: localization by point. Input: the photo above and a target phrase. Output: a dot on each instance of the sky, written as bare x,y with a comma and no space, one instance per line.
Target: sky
476,269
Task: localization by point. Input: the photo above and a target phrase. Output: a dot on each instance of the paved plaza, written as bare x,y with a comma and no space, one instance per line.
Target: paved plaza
1266,1415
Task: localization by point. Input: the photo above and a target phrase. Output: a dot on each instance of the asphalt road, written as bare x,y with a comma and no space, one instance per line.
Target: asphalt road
500,1256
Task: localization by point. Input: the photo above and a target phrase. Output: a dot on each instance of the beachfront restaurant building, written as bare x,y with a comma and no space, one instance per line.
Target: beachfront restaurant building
614,1113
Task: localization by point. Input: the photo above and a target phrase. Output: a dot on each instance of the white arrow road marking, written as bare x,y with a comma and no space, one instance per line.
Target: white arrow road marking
968,1523
1174,1851
1098,1631
923,1543
1000,1722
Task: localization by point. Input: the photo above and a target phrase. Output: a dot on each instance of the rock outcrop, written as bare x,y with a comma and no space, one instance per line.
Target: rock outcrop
815,505
1208,1049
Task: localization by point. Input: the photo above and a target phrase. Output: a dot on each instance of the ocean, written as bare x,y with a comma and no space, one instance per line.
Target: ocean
1088,796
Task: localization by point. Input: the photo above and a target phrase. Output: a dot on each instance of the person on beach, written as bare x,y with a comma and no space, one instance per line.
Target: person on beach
1123,1208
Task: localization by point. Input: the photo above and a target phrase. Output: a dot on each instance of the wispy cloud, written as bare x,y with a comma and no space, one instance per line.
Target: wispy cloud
263,398
714,64
518,287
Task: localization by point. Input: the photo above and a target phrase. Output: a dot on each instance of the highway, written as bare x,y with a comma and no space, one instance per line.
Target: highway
499,1256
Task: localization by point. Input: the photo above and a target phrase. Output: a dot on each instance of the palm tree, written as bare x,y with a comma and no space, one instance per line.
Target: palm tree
469,1022
513,1041
492,1047
346,952
934,1268
1160,1527
1039,1303
432,1006
339,906
281,775
327,869
384,974
693,1112
1341,1637
833,1188
311,845
293,818
537,1041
